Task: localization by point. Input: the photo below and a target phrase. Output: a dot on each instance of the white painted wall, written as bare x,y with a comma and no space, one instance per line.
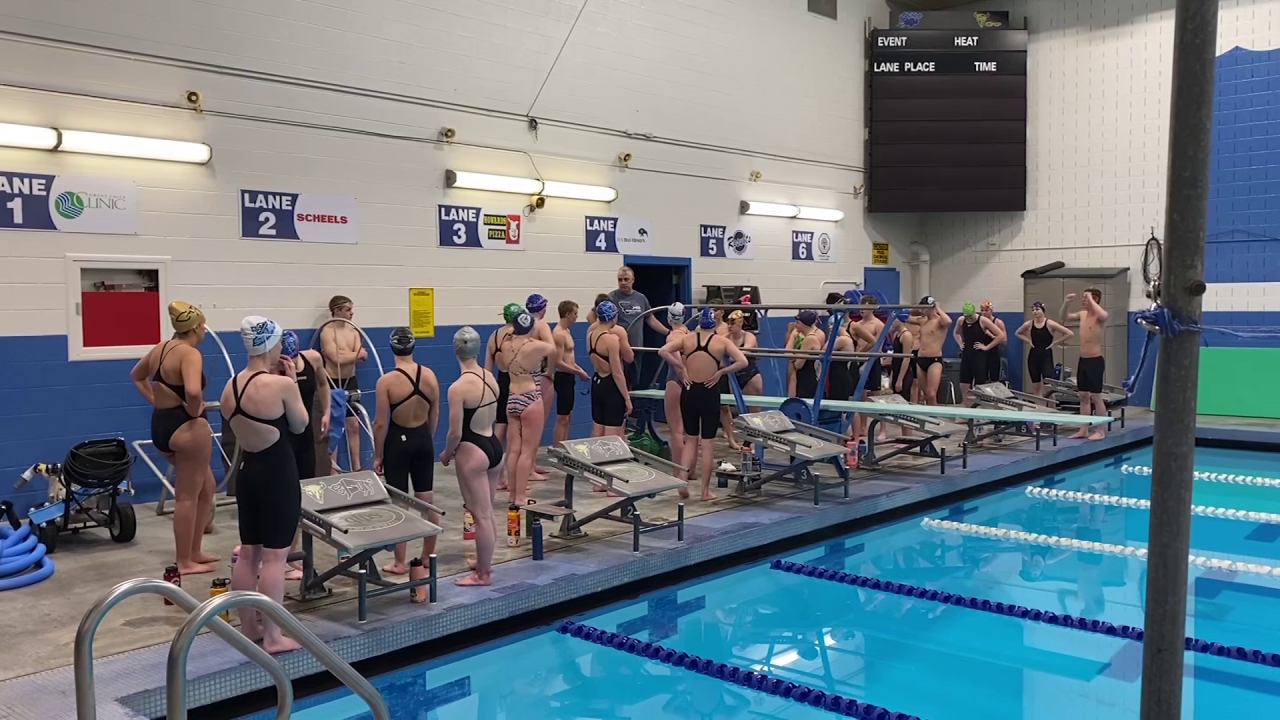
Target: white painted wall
327,96
1098,119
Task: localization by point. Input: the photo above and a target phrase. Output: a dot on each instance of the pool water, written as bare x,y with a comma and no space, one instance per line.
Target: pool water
913,656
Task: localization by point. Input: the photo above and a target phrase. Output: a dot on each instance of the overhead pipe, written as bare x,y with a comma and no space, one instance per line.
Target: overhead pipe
920,261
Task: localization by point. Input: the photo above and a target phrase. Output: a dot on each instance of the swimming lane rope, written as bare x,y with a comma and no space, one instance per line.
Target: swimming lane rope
1089,546
762,682
1098,627
1138,504
1210,476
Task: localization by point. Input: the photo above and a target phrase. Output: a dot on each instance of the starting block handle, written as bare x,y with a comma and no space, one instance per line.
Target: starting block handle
820,433
650,458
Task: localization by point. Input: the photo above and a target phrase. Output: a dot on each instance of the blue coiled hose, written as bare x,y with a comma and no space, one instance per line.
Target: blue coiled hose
23,558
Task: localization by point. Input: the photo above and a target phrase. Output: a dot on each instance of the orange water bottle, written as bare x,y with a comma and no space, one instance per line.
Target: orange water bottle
513,526
220,586
468,524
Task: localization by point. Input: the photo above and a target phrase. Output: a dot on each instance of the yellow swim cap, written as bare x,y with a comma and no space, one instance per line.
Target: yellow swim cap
184,316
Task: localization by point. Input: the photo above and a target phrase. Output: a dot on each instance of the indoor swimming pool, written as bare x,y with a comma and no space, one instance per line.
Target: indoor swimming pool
1058,550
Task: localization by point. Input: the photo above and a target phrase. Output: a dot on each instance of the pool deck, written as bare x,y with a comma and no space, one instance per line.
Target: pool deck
130,685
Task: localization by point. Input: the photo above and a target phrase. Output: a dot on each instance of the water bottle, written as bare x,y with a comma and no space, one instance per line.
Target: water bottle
171,575
468,524
417,572
537,539
220,586
513,526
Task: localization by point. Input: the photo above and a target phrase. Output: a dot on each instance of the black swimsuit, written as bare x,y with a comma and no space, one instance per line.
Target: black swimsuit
1040,357
909,378
304,443
841,374
973,362
699,404
409,451
608,407
807,379
166,421
268,494
488,444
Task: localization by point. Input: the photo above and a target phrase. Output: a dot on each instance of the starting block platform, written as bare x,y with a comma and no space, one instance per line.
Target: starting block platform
804,445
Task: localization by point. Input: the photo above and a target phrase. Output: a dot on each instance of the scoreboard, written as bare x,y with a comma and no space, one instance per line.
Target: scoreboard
947,120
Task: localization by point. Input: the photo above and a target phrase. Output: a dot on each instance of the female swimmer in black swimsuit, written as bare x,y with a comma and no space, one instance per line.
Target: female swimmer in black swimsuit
172,380
473,405
264,408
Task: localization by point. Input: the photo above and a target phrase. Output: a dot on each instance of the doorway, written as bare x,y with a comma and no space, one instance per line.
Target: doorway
664,280
885,280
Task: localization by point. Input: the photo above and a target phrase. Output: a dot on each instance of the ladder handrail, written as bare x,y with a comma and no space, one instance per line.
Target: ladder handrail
180,649
86,700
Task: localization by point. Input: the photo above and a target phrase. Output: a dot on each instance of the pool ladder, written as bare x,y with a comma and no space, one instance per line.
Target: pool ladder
200,615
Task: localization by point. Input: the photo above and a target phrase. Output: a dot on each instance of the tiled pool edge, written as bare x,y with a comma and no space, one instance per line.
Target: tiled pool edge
232,682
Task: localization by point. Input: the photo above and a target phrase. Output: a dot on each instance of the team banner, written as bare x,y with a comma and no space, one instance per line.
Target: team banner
718,241
813,246
463,226
66,203
298,217
624,236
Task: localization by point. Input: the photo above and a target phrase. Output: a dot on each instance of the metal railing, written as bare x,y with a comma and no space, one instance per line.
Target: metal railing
208,611
86,700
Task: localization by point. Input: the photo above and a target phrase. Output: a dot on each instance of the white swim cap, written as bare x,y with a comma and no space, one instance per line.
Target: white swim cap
259,334
675,313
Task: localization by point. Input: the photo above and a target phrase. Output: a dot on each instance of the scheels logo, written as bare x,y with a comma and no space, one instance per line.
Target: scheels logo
72,205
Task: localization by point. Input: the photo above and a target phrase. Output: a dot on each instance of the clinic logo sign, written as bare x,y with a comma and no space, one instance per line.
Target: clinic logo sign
69,205
73,204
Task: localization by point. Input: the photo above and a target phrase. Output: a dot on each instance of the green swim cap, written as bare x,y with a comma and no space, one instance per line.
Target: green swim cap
969,309
511,310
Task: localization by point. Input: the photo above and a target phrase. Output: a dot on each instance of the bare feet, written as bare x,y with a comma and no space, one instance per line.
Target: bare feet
206,559
472,580
502,486
708,496
292,573
1097,436
684,493
599,488
1081,435
194,568
394,568
283,645
253,633
538,477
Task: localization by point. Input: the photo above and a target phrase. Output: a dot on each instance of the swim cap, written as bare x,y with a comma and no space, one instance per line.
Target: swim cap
536,303
259,334
969,309
184,316
1037,305
744,300
707,319
735,315
928,300
807,317
289,344
607,311
523,323
402,341
986,305
675,313
466,343
510,310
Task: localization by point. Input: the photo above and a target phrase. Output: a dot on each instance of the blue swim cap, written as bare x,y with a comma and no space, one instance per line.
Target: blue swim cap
807,317
536,303
707,319
607,311
289,344
523,323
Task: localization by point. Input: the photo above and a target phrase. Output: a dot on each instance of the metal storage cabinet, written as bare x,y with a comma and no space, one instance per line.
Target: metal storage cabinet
1052,287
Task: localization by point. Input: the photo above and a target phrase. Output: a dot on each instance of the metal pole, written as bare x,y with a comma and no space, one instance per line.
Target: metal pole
1195,37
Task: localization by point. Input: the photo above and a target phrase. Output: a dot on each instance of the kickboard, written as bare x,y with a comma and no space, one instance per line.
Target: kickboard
950,412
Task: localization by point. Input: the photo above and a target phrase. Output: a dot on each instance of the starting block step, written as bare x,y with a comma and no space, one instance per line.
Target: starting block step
547,510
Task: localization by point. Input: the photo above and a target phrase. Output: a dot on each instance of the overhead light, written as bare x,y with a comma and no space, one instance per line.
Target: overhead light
492,183
28,136
575,191
748,207
528,186
824,214
92,143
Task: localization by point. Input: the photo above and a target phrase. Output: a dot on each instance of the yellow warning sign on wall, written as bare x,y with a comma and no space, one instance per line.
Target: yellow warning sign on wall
879,253
422,312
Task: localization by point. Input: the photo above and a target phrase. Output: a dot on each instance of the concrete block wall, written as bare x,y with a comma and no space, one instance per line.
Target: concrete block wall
1099,92
347,98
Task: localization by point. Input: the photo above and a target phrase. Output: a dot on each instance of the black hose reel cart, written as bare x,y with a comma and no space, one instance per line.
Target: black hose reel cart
85,492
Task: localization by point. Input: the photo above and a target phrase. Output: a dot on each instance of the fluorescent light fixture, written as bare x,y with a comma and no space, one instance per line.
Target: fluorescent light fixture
824,214
574,191
747,207
92,143
28,136
492,183
528,186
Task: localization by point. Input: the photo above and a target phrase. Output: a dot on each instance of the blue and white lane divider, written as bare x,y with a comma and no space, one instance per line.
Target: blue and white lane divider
1098,627
1201,561
1140,504
1231,478
762,682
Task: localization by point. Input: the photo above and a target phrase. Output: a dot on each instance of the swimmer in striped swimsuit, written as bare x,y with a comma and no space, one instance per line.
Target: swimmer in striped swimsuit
525,417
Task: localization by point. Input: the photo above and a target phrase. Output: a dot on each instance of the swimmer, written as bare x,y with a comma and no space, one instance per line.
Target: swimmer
722,327
473,450
700,400
804,381
263,406
1042,335
408,410
995,356
536,306
976,335
931,336
308,369
610,401
1092,367
866,332
342,347
750,381
525,419
903,370
567,370
671,391
591,314
171,378
495,361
